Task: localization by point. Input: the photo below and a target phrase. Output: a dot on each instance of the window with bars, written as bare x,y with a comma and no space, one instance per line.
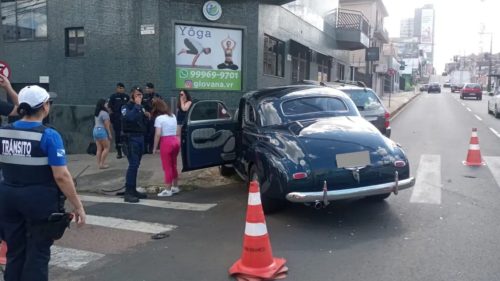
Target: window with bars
75,42
274,56
23,20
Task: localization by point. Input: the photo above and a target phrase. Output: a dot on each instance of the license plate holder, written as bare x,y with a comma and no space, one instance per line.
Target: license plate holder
353,160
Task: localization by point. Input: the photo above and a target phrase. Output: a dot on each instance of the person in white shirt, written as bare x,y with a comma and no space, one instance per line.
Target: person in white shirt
168,142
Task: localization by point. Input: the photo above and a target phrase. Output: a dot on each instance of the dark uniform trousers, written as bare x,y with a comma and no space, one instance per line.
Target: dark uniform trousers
135,150
116,122
28,196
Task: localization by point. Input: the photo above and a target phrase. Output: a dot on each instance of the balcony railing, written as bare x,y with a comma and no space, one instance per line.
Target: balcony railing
350,29
348,20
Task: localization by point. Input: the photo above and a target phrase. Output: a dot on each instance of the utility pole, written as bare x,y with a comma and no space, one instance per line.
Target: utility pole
490,62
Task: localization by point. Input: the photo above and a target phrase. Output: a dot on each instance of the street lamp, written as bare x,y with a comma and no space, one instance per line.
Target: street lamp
490,58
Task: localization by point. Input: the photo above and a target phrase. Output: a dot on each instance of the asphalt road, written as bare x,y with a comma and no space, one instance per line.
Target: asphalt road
445,228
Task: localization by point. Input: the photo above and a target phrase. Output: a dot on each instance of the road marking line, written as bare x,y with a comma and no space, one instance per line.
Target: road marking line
493,164
132,225
71,259
469,109
478,118
428,184
495,132
151,203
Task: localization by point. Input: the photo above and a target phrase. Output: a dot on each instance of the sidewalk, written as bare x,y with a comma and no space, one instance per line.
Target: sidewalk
395,102
151,174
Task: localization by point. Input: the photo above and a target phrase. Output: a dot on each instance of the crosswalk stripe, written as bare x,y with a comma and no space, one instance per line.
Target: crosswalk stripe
132,225
151,203
71,259
493,164
428,184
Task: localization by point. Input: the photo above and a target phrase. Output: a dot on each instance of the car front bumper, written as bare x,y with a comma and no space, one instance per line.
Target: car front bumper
331,195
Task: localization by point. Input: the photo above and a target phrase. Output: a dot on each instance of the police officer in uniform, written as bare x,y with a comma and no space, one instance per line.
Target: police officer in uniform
115,103
33,161
134,124
147,102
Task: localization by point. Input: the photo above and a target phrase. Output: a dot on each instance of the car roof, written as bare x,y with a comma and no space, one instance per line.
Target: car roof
292,91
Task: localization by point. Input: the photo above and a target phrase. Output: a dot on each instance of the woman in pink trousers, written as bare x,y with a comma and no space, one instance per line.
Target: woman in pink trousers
166,137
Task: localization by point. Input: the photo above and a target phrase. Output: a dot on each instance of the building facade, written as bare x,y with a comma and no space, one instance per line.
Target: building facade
373,72
80,49
406,28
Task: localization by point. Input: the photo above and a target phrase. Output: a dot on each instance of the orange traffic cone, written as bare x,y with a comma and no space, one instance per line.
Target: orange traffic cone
3,253
474,153
257,262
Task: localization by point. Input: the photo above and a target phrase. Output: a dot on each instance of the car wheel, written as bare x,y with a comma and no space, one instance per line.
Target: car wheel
226,171
496,113
379,197
269,205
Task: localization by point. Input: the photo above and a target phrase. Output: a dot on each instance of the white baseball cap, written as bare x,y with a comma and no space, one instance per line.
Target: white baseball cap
33,95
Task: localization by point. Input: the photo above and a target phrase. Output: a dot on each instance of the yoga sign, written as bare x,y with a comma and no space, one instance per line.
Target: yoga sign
208,58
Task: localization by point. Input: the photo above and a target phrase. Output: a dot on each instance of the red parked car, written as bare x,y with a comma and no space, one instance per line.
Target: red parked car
471,90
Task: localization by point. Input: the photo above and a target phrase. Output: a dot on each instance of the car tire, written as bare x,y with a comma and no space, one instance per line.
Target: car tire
496,113
379,197
226,171
269,205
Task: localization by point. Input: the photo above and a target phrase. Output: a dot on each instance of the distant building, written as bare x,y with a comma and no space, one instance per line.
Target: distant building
406,28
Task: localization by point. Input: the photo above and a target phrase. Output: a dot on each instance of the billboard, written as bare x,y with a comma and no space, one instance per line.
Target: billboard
427,26
208,58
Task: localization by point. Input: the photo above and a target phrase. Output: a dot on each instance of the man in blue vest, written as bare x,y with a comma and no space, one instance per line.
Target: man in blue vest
134,125
32,216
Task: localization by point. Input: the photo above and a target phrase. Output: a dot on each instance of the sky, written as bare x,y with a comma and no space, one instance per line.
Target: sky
457,25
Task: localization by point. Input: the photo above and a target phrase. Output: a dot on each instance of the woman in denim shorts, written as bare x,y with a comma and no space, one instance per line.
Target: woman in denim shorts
102,133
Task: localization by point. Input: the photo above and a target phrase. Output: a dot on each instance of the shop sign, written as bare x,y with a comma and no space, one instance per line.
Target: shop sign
212,10
381,68
372,54
208,58
5,69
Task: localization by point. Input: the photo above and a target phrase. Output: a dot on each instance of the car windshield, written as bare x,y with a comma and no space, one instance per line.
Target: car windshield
310,105
277,113
365,100
473,86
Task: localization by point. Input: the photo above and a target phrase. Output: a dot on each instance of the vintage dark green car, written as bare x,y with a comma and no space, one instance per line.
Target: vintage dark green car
303,144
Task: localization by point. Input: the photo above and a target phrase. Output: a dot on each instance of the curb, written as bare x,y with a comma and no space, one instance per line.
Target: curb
400,109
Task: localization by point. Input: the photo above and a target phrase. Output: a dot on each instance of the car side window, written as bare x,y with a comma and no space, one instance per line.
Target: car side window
250,116
209,110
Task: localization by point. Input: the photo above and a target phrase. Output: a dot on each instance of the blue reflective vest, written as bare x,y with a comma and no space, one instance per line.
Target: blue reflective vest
22,159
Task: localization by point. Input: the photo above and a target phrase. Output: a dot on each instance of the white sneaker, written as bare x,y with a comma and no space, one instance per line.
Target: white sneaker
175,189
141,189
165,193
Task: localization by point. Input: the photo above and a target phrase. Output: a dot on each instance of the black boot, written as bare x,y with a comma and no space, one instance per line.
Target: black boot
119,152
129,198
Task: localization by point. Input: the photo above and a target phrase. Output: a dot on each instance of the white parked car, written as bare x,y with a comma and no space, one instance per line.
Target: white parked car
494,103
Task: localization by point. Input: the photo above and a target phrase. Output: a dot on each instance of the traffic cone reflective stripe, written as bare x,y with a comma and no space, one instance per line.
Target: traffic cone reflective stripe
255,229
474,153
257,262
3,253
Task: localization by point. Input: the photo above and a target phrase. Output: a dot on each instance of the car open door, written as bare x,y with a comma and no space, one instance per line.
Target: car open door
208,136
